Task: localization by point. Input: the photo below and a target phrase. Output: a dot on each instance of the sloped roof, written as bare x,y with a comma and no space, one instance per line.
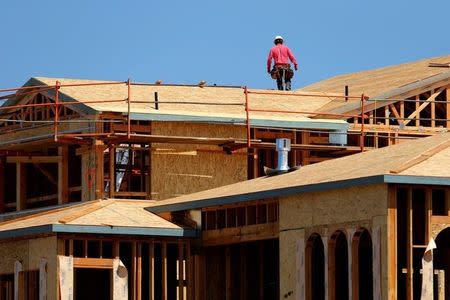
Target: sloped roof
99,217
192,103
380,83
416,162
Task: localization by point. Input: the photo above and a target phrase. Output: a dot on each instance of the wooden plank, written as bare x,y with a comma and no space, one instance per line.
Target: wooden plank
139,271
409,247
92,263
151,269
428,213
386,115
33,159
99,171
164,270
63,175
91,207
433,112
306,153
133,273
21,186
392,242
180,270
240,234
422,157
416,113
396,114
447,106
112,173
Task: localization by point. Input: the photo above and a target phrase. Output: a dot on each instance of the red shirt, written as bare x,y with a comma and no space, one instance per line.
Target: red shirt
281,54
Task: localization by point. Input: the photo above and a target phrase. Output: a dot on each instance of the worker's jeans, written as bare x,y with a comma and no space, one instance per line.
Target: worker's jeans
284,75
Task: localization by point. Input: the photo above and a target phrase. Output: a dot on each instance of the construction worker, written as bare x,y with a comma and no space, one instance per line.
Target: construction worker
281,71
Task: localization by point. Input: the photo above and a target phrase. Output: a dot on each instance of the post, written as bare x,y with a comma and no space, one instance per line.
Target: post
112,172
156,101
346,93
128,109
55,125
21,186
247,117
361,141
63,174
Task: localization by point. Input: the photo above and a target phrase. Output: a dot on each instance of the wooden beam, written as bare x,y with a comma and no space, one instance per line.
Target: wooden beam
396,114
99,177
139,271
93,263
447,106
420,158
21,186
164,270
240,234
416,113
387,113
392,242
409,247
428,213
433,112
63,175
151,270
33,159
180,270
112,172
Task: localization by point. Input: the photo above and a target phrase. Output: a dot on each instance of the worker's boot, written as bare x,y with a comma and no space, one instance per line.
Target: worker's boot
280,86
288,86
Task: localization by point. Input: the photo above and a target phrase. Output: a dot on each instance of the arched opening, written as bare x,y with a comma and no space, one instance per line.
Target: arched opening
315,268
441,259
338,266
362,262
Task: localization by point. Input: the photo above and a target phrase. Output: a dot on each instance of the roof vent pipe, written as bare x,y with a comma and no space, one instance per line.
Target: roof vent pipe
283,147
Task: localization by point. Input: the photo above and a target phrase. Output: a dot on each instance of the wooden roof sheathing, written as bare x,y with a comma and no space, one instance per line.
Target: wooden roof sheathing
422,158
193,103
129,215
378,82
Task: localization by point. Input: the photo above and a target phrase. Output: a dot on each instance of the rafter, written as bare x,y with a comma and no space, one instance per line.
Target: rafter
423,105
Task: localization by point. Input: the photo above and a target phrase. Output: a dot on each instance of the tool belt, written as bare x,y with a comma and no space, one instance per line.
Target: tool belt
277,71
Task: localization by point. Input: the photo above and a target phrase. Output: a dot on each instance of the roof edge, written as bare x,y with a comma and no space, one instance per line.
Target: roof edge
339,184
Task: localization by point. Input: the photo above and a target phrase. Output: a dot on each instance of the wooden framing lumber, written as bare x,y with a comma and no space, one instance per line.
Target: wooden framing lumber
409,247
180,270
164,270
21,186
422,157
63,174
396,114
416,113
93,263
112,172
151,268
447,106
240,234
392,242
33,159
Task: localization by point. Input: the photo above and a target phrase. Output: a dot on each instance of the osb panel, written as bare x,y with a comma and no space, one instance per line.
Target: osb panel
289,263
41,131
45,248
184,169
10,252
333,207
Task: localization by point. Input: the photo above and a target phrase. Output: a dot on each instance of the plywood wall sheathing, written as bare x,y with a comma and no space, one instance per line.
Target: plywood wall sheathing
181,169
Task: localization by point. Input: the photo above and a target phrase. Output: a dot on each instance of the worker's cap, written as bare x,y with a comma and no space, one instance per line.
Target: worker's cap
278,37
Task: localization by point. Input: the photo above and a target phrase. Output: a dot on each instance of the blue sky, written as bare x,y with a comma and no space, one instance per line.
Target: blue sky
222,42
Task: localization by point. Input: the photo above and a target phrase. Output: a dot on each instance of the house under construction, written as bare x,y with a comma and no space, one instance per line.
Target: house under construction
126,190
